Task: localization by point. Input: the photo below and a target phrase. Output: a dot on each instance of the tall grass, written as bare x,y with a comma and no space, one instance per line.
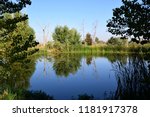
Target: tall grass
98,48
110,49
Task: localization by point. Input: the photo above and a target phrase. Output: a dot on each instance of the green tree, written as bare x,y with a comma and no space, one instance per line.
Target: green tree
131,19
17,44
88,39
74,37
16,37
7,6
61,34
65,35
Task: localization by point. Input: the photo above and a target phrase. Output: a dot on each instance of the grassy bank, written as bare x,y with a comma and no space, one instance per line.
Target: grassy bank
142,49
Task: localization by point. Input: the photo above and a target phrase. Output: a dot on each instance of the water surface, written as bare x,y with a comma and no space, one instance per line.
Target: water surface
74,76
78,76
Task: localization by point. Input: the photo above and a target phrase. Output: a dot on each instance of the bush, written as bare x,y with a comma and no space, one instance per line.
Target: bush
49,45
117,41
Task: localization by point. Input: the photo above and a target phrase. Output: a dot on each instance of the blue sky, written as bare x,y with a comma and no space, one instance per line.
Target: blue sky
73,13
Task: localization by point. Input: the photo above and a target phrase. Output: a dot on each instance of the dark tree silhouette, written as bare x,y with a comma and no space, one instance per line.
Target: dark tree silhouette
7,6
132,19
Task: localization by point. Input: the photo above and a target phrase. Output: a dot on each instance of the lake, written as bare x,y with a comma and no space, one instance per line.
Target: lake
83,76
75,76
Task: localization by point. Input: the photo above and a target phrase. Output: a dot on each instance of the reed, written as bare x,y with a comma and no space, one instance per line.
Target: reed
142,49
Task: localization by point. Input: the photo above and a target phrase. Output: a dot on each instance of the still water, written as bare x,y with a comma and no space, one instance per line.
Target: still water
75,76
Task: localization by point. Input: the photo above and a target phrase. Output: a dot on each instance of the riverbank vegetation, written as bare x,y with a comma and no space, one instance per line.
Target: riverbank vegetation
122,46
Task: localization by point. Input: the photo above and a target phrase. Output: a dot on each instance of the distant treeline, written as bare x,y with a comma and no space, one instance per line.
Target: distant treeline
69,40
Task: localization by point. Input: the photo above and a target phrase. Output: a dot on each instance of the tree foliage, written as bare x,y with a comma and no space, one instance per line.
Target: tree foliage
16,36
131,19
88,39
7,6
64,35
74,37
16,43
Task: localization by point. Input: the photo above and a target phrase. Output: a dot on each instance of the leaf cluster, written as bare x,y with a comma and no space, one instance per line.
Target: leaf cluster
132,19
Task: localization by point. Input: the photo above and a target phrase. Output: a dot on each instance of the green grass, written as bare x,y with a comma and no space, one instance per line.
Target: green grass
142,49
110,49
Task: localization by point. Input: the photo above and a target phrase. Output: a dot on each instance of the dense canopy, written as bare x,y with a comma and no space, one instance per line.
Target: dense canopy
132,19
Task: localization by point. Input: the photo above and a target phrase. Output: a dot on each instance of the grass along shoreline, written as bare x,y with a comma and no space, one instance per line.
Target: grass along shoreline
140,49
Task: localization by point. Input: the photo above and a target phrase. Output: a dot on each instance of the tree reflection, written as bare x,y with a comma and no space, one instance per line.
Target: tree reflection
133,79
15,76
89,59
117,57
65,64
15,80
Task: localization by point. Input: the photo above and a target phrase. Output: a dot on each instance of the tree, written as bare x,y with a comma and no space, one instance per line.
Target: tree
16,43
74,37
88,39
7,6
61,34
64,35
131,20
16,36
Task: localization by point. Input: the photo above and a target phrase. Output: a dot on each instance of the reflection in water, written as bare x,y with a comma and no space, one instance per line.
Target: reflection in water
133,79
76,78
117,57
87,77
88,60
16,75
15,80
65,64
